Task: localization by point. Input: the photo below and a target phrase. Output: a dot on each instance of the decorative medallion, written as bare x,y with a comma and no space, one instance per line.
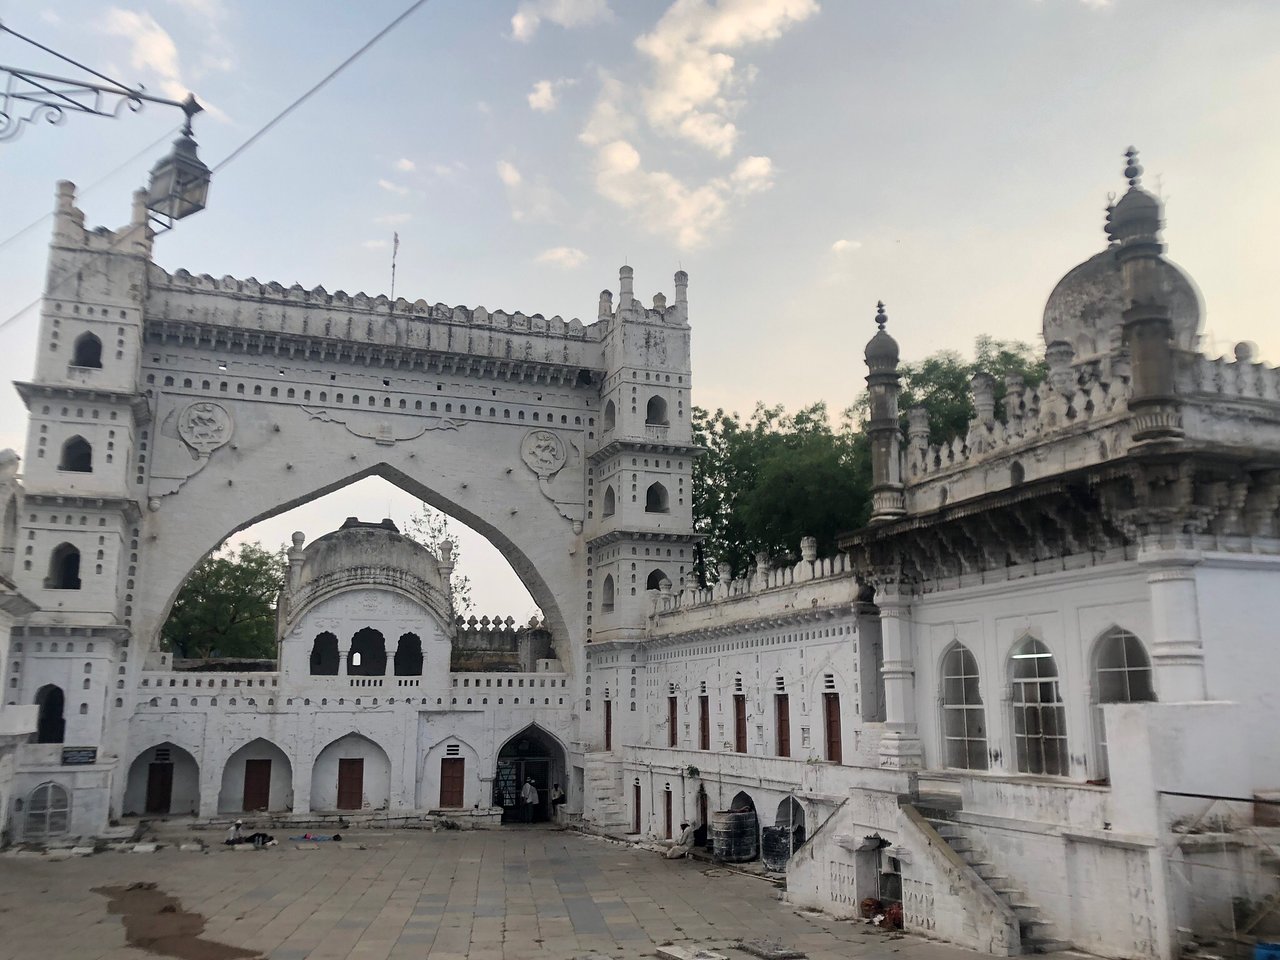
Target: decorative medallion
205,426
543,452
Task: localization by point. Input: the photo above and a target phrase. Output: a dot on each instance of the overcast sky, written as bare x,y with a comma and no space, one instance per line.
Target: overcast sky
800,159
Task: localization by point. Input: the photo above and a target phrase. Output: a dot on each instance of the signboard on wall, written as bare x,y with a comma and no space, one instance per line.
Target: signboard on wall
79,756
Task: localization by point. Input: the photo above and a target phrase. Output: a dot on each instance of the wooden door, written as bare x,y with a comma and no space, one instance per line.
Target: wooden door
159,787
666,812
257,785
350,783
635,808
740,723
704,723
831,714
452,771
673,733
700,836
783,711
608,724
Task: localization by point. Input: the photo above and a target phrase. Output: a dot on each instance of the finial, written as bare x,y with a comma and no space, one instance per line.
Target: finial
881,317
1133,169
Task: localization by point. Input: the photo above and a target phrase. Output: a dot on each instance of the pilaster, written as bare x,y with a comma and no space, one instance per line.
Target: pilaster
900,746
1177,653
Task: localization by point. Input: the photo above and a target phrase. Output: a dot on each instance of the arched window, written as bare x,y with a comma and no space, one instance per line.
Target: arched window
87,352
408,659
655,412
964,722
48,812
655,580
368,657
64,568
610,501
77,456
1039,718
606,594
51,726
655,499
610,415
1121,674
324,655
1016,474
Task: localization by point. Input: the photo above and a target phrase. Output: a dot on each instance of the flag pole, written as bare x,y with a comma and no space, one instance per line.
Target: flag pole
395,248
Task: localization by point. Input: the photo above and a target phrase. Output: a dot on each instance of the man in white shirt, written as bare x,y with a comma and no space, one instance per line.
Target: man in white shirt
528,799
683,844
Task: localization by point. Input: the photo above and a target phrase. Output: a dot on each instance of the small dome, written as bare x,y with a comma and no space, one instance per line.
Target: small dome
1085,307
1136,213
366,546
882,349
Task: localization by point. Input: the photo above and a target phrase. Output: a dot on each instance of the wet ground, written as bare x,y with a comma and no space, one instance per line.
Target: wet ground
522,894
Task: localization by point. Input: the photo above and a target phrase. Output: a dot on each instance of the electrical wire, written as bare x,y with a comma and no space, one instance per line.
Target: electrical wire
253,139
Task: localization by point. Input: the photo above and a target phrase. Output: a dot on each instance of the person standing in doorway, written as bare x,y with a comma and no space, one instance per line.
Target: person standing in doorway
528,800
557,801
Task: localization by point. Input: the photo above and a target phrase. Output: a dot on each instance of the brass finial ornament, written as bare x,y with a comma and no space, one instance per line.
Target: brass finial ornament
1133,169
881,317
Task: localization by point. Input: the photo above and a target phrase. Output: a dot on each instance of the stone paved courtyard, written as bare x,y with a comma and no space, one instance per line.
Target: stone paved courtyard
492,895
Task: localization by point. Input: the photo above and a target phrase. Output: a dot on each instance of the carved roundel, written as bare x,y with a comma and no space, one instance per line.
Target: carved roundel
205,426
543,452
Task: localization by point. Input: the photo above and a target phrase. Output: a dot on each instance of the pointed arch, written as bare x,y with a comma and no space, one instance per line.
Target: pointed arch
77,456
656,499
368,655
87,352
964,719
352,772
606,594
610,502
408,658
324,655
256,777
64,568
655,578
51,724
536,754
610,415
655,412
1039,715
162,780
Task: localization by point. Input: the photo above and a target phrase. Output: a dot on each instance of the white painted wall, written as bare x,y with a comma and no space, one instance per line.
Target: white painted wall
377,773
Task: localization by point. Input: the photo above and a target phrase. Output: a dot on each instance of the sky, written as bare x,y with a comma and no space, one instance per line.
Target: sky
801,159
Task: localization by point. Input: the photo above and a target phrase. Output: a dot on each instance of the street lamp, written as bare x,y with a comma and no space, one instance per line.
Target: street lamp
179,183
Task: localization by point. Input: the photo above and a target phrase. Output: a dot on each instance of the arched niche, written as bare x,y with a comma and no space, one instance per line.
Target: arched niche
256,777
163,780
351,773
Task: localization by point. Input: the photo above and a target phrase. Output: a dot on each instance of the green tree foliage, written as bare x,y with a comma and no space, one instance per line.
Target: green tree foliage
430,527
227,607
771,479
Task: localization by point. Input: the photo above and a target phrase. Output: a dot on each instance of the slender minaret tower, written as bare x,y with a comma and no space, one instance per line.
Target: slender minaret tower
887,501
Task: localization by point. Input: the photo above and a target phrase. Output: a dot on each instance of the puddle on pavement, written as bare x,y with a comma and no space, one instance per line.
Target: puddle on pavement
155,922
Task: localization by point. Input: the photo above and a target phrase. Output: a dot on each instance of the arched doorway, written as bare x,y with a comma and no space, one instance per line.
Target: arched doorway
51,725
256,777
351,773
530,754
163,780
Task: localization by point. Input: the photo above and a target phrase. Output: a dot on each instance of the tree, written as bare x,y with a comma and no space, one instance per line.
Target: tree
430,527
227,607
766,482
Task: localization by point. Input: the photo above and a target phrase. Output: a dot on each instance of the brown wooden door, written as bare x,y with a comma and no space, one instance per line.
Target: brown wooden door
666,812
831,715
740,723
257,785
783,710
703,814
704,723
673,733
452,771
608,724
635,808
159,787
350,783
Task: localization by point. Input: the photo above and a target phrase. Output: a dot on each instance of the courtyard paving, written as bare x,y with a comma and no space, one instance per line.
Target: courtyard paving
523,894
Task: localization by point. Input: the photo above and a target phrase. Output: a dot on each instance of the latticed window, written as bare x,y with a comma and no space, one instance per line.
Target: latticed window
48,812
1039,718
1121,674
964,721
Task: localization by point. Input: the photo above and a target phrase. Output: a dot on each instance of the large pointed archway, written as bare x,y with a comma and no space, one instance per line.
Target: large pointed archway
351,773
534,755
163,780
256,777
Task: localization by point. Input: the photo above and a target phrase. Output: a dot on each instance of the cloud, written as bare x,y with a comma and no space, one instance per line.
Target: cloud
50,16
393,187
845,246
151,48
405,165
694,75
565,257
393,219
545,95
609,119
665,203
376,244
532,201
530,14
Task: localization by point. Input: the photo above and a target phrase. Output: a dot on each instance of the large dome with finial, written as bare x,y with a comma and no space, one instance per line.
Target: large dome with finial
882,349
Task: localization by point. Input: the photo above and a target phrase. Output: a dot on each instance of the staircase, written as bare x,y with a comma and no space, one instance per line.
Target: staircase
1036,931
603,810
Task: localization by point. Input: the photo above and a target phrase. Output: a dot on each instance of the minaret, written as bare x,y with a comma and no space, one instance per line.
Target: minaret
887,500
1135,224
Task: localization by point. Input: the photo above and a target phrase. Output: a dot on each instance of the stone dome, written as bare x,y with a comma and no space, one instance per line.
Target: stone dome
1085,307
368,546
882,349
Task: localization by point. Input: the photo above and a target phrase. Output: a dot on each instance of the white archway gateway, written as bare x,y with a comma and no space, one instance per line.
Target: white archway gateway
215,404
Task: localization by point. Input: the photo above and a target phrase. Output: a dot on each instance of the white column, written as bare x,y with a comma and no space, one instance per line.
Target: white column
1176,650
900,745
